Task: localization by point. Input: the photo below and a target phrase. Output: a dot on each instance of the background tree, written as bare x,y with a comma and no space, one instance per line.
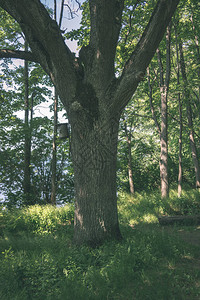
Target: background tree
128,133
151,92
163,127
180,172
27,132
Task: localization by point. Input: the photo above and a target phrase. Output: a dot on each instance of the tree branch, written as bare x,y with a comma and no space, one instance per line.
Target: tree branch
46,43
105,17
135,67
25,55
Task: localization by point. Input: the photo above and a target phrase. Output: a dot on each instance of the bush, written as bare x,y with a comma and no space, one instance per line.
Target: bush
37,219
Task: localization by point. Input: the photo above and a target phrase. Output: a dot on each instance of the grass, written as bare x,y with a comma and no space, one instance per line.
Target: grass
39,261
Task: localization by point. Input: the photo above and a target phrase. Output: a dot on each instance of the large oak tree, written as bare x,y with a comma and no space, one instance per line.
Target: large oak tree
93,97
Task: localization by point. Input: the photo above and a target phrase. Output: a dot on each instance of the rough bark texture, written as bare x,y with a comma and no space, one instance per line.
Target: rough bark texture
162,128
164,145
94,153
164,87
93,98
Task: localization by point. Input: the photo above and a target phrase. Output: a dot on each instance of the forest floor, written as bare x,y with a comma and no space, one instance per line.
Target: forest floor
190,235
39,261
187,234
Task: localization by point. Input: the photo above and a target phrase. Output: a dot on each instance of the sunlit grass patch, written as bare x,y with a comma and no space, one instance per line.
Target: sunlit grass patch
147,207
139,208
38,219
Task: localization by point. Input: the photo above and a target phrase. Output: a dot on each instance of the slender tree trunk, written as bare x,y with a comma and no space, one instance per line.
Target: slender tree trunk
197,52
190,119
27,137
162,129
164,146
180,172
54,147
130,168
193,145
54,151
151,102
61,13
164,87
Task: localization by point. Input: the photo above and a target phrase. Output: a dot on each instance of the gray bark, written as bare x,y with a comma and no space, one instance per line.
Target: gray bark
27,136
180,169
164,88
54,151
162,129
190,118
94,156
196,41
130,167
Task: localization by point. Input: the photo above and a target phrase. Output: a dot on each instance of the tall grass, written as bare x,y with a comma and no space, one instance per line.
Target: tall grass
37,219
147,207
39,261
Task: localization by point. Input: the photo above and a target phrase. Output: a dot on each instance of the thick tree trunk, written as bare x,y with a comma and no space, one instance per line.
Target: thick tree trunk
94,153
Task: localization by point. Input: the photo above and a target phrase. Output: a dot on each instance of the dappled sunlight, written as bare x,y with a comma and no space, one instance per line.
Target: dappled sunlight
149,260
150,218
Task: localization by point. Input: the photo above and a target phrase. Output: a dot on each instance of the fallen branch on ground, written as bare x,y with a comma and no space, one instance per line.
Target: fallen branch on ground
184,220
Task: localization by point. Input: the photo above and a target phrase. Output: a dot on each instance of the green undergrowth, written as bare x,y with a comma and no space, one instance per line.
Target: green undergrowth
39,261
37,219
147,207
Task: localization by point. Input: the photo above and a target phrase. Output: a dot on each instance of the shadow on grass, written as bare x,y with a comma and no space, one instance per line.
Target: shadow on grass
151,262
